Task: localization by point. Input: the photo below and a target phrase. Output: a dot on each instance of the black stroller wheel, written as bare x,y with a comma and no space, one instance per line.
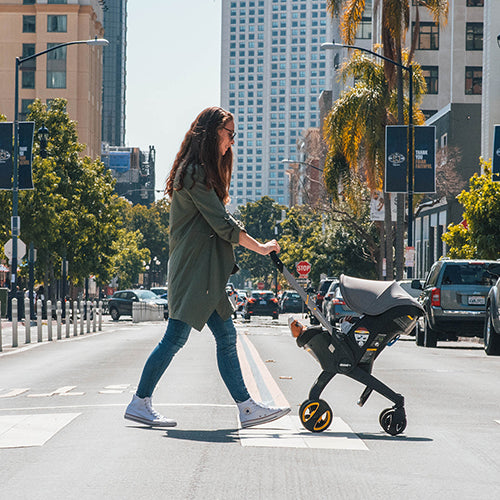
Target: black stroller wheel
315,415
393,421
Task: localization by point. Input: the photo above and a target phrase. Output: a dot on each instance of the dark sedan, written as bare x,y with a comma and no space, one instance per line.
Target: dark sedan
291,302
261,303
120,304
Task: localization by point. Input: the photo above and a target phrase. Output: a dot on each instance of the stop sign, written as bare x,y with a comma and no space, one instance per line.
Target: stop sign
303,268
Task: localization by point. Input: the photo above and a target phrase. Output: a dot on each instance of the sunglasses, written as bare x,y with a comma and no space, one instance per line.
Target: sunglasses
233,134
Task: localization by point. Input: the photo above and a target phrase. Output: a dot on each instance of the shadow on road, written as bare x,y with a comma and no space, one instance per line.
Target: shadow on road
206,435
386,437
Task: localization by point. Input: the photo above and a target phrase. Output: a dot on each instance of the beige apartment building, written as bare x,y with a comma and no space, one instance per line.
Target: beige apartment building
73,72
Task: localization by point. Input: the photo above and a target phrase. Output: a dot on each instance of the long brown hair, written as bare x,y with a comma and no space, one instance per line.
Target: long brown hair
201,147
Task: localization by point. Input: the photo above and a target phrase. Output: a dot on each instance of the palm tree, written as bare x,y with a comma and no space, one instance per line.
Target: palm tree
395,22
355,126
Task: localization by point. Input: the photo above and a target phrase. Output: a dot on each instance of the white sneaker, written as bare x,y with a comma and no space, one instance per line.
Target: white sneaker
252,413
141,410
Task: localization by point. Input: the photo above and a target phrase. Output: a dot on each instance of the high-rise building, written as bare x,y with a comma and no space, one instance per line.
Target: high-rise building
114,73
72,72
272,73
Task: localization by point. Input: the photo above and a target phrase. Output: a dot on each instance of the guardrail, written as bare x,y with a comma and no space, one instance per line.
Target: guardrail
85,317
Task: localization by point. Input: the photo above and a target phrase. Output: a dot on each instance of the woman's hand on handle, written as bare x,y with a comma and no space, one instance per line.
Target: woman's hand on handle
262,248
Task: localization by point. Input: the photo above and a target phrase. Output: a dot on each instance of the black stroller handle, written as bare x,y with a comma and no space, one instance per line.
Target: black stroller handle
276,260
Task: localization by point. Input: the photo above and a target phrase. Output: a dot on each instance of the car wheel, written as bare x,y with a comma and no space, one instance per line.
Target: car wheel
115,315
430,335
491,337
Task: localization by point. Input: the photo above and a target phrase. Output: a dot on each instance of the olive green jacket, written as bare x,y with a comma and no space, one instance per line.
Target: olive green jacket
202,235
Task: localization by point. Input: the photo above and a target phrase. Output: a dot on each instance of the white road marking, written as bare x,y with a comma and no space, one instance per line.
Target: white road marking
497,421
19,431
14,392
114,389
287,432
62,391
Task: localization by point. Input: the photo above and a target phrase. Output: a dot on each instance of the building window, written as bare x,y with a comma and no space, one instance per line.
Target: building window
364,28
57,24
428,36
473,80
29,67
28,2
57,1
431,75
475,3
29,24
25,103
474,36
56,67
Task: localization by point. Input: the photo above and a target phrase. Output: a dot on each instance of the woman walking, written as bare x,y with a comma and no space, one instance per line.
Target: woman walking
202,235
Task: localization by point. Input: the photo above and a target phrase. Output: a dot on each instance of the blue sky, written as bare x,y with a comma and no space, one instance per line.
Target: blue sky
173,72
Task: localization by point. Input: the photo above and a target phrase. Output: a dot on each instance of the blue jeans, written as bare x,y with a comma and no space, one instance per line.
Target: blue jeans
176,336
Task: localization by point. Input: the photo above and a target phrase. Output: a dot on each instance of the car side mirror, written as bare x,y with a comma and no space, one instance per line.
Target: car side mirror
416,284
135,299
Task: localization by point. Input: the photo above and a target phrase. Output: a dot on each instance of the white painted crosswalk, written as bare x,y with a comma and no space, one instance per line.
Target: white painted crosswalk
287,432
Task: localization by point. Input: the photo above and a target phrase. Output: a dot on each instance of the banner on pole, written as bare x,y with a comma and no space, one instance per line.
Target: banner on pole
495,159
6,149
26,132
25,156
424,171
396,159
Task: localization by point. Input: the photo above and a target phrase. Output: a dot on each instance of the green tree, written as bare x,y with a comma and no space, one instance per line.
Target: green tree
481,205
72,212
128,257
260,219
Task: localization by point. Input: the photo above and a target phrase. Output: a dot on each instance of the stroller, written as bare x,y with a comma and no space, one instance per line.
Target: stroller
387,311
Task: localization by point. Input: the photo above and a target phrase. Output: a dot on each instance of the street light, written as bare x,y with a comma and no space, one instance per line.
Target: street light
333,45
15,224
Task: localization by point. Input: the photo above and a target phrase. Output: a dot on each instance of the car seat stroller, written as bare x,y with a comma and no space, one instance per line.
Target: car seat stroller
387,311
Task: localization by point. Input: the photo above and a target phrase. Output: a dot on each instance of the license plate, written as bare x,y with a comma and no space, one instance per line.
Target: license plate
476,300
262,302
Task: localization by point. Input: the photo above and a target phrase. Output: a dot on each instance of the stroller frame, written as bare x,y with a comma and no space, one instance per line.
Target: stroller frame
352,353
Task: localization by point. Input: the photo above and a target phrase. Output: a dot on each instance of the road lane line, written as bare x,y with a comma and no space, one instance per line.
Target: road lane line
287,432
267,386
21,431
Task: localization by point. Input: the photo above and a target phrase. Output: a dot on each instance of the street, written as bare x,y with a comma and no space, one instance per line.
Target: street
62,432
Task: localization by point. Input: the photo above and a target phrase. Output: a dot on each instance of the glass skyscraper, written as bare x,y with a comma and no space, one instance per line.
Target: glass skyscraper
114,73
272,73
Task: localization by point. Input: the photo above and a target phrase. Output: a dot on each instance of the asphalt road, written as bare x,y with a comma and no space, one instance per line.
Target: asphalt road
62,432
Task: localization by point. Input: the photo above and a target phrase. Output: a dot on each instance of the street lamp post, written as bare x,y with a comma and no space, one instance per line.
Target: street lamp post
15,224
409,69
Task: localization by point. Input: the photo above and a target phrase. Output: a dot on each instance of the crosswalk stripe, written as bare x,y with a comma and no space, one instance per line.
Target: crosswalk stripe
14,392
287,432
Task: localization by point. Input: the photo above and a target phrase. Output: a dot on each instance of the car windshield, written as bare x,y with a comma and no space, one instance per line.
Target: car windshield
293,295
471,274
146,294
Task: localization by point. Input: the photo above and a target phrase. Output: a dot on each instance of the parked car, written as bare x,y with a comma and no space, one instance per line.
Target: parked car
336,308
329,295
454,298
161,291
492,322
291,302
120,303
324,285
261,303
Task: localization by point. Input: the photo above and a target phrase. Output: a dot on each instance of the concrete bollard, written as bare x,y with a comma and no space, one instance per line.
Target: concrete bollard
27,321
67,314
94,316
58,319
100,316
89,311
49,320
39,324
75,319
81,316
14,322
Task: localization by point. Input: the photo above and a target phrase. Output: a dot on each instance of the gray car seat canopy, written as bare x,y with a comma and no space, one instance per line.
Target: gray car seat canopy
374,297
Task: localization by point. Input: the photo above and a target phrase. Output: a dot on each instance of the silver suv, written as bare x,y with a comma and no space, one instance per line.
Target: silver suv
454,298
